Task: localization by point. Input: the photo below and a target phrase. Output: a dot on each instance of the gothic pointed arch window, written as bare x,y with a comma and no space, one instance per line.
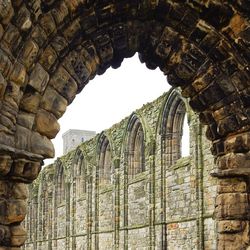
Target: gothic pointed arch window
41,207
105,160
45,211
60,184
174,123
80,173
136,147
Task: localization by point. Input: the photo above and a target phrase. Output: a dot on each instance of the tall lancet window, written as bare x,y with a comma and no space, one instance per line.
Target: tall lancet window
174,129
105,161
136,147
60,185
80,174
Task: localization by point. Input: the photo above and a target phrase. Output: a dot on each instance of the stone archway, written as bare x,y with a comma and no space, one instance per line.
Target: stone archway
49,51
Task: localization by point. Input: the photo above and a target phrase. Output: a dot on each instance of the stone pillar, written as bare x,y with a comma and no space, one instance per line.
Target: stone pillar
117,203
68,203
50,232
232,202
152,208
73,214
15,172
35,218
90,213
13,207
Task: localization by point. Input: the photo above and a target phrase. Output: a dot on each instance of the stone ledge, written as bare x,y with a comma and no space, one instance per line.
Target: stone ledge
139,177
231,226
134,227
19,153
82,197
232,173
106,189
181,163
62,204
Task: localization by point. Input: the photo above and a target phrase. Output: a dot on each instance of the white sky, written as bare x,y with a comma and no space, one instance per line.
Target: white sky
109,98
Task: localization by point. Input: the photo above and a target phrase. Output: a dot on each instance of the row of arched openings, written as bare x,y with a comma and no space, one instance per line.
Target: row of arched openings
171,132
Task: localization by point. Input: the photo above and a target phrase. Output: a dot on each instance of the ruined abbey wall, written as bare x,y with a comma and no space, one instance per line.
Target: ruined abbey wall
111,194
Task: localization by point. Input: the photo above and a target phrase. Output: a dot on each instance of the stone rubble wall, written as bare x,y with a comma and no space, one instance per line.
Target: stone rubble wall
164,207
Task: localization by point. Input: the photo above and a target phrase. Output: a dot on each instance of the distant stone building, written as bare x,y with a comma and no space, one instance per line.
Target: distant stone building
129,187
73,137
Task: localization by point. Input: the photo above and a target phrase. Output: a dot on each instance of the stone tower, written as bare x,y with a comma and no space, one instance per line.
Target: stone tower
73,137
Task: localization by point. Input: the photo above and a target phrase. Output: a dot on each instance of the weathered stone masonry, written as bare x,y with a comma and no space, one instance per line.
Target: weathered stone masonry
50,49
111,194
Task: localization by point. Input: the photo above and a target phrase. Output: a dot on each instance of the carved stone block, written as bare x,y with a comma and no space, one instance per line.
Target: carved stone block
6,11
3,85
5,236
23,19
7,139
30,101
73,4
25,170
60,12
39,35
48,24
18,236
29,53
19,190
71,31
12,95
233,161
39,78
77,68
5,64
12,211
60,45
49,58
22,138
53,102
41,145
104,48
238,143
233,241
6,122
12,37
5,164
231,206
64,84
18,74
232,185
46,124
26,119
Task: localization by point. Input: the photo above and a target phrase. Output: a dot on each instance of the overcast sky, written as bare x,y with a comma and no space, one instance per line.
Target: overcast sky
109,98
